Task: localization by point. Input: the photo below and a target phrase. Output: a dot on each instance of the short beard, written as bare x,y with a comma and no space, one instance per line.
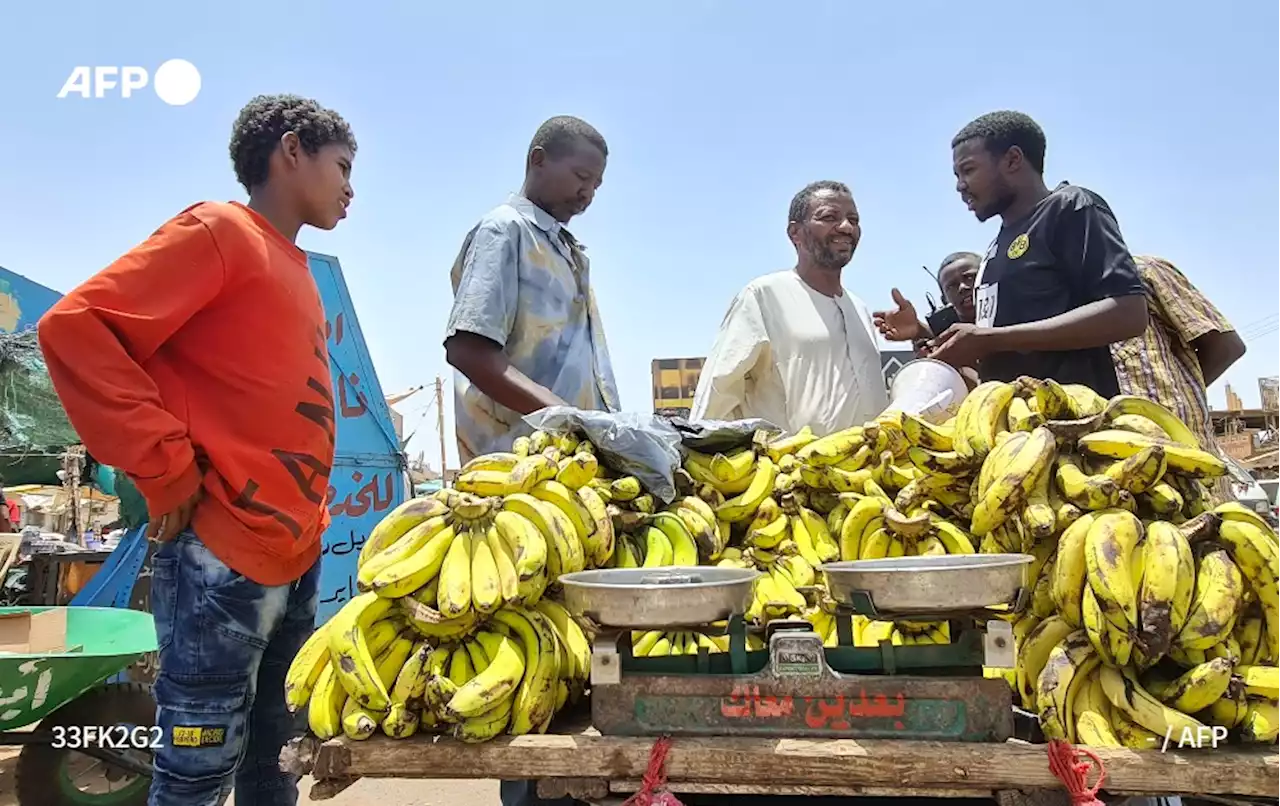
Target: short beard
822,255
1003,202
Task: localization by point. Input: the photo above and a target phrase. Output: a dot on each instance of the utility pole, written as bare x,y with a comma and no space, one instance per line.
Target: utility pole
444,481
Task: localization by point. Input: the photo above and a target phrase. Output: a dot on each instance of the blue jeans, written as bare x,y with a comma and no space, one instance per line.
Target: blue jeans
225,644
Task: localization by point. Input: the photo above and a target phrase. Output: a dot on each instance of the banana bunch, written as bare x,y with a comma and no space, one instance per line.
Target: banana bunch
558,484
685,533
1150,608
378,666
659,644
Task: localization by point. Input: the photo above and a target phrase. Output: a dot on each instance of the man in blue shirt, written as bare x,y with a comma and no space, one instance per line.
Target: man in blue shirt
524,332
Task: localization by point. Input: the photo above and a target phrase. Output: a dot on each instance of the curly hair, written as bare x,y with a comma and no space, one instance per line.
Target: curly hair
560,134
1001,131
803,201
266,118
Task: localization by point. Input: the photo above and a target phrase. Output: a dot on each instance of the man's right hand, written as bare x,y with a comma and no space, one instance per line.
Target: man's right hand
901,324
166,527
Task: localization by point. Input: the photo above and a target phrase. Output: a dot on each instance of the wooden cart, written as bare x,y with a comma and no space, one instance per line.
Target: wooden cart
579,762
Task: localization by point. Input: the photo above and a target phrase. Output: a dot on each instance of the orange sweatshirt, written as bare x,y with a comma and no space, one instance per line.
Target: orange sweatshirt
199,359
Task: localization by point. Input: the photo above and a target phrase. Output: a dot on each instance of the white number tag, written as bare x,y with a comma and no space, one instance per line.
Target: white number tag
984,304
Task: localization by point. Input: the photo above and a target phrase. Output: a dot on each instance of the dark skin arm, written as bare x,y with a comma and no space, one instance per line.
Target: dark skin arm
1093,325
486,365
1217,351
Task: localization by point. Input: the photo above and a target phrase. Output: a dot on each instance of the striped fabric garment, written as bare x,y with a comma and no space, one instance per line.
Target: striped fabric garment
1162,364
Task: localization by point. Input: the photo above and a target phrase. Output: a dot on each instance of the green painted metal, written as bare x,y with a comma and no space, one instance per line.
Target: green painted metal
917,692
101,641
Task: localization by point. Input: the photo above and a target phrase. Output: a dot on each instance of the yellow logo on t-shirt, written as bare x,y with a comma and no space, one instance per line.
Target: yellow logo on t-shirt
1019,247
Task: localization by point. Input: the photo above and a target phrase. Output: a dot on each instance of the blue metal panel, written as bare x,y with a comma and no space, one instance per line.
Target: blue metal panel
369,475
22,302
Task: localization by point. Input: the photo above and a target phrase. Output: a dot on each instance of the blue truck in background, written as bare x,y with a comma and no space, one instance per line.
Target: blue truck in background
370,472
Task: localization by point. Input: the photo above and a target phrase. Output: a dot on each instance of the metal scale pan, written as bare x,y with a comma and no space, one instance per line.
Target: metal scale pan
930,587
658,598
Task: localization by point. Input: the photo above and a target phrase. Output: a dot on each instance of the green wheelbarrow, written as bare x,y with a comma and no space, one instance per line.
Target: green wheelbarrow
84,741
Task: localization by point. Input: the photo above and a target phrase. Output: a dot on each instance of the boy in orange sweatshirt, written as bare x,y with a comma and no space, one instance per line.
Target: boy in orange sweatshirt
197,364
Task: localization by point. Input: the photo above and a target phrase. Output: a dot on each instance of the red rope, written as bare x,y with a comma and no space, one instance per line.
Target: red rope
1065,764
653,788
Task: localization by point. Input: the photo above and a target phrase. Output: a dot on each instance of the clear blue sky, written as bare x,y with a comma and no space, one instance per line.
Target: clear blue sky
715,113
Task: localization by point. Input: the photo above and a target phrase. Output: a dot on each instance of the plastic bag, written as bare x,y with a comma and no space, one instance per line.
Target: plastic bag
641,445
720,436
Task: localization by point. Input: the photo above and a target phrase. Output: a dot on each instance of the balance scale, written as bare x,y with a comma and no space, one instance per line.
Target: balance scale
797,687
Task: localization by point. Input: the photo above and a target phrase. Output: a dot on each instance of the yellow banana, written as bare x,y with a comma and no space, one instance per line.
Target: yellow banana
527,543
1260,681
406,546
1088,492
1168,580
1070,570
1261,721
454,595
684,551
1198,688
412,572
601,543
1139,472
786,446
305,669
988,404
1119,444
1033,654
1126,693
1219,591
1065,672
565,552
924,434
577,470
743,506
494,684
352,662
568,503
1022,418
1170,425
625,489
732,467
835,447
1108,554
397,523
486,581
531,471
1255,554
324,707
658,551
1015,482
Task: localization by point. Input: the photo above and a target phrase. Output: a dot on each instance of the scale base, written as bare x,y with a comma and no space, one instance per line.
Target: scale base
795,694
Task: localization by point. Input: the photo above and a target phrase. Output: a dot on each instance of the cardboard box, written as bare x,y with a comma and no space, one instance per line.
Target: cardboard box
29,633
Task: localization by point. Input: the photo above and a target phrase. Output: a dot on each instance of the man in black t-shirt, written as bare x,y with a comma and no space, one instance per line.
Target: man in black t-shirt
1057,285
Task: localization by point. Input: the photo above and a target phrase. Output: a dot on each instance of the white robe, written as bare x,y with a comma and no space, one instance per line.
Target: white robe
795,357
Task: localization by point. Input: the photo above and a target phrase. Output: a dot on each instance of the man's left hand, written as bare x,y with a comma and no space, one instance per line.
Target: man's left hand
963,345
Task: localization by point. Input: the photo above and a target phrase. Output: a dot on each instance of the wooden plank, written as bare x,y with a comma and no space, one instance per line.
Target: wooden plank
1240,771
685,788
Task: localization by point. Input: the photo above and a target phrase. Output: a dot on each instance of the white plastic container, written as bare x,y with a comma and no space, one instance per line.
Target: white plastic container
928,389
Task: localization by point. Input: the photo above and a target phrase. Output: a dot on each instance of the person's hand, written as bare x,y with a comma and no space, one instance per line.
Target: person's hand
170,524
962,345
901,324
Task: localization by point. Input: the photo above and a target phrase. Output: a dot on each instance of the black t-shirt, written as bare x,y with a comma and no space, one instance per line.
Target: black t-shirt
1065,253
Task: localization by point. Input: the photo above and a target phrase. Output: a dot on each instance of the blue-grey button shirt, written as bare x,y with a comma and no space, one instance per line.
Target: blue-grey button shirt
523,281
